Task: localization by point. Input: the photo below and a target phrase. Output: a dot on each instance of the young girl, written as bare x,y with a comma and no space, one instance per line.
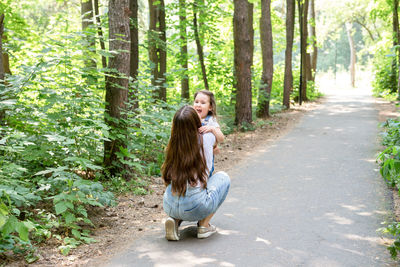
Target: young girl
191,195
204,104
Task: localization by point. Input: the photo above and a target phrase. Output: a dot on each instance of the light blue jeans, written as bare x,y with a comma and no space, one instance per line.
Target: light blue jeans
198,202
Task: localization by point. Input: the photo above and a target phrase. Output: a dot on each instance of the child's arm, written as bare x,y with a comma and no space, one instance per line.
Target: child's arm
216,131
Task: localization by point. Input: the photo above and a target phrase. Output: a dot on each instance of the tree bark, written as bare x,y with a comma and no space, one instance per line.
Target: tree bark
184,50
100,32
157,46
2,74
306,57
162,50
396,40
199,47
352,66
267,59
117,84
134,50
87,22
243,54
313,37
303,18
288,80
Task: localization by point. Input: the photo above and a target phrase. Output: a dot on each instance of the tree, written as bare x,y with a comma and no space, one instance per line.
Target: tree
288,79
267,59
100,32
134,51
117,83
184,50
313,38
352,66
157,46
199,46
396,40
243,54
2,74
304,61
87,24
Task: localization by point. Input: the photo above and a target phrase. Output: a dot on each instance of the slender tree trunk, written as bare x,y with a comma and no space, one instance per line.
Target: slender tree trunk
396,40
184,50
157,46
243,44
162,50
100,32
352,66
87,22
313,35
117,85
303,18
267,59
134,50
199,47
2,74
288,80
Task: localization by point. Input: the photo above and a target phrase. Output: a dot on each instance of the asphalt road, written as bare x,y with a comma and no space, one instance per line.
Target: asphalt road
313,198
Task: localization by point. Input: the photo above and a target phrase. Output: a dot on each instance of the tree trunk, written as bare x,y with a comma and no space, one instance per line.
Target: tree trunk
87,23
303,18
134,50
313,35
288,80
352,66
117,85
396,40
2,74
100,32
199,47
162,50
243,58
267,59
184,50
157,46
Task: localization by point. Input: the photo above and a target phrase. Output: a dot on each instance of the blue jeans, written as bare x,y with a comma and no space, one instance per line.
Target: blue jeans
198,202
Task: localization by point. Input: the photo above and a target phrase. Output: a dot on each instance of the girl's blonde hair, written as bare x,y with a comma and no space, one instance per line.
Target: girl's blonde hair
184,157
213,104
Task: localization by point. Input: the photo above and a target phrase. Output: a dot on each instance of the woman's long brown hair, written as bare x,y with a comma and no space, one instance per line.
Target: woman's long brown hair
184,157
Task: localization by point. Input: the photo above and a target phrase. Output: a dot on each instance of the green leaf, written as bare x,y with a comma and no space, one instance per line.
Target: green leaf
10,226
23,231
76,233
69,218
60,207
3,220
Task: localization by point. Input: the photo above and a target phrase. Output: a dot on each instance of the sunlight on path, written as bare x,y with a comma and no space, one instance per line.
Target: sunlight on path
328,85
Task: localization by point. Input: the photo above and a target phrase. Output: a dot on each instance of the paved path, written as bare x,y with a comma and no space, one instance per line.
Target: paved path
314,198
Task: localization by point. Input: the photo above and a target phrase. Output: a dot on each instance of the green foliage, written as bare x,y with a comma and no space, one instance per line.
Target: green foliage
385,82
389,161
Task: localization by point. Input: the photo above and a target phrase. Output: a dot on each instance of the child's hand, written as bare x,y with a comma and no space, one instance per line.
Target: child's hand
216,150
206,129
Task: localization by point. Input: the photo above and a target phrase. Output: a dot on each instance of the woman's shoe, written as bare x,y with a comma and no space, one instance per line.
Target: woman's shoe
204,232
171,230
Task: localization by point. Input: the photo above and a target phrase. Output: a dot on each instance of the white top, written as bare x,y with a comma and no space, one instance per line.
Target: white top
211,122
208,144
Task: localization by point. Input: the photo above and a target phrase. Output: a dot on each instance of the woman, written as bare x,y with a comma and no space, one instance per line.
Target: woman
190,195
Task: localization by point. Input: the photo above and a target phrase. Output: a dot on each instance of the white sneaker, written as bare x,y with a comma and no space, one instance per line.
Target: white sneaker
171,230
204,232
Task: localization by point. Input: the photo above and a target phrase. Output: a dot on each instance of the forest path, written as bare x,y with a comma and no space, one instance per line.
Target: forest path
313,198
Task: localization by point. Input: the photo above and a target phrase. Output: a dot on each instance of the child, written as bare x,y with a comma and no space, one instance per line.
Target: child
204,104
